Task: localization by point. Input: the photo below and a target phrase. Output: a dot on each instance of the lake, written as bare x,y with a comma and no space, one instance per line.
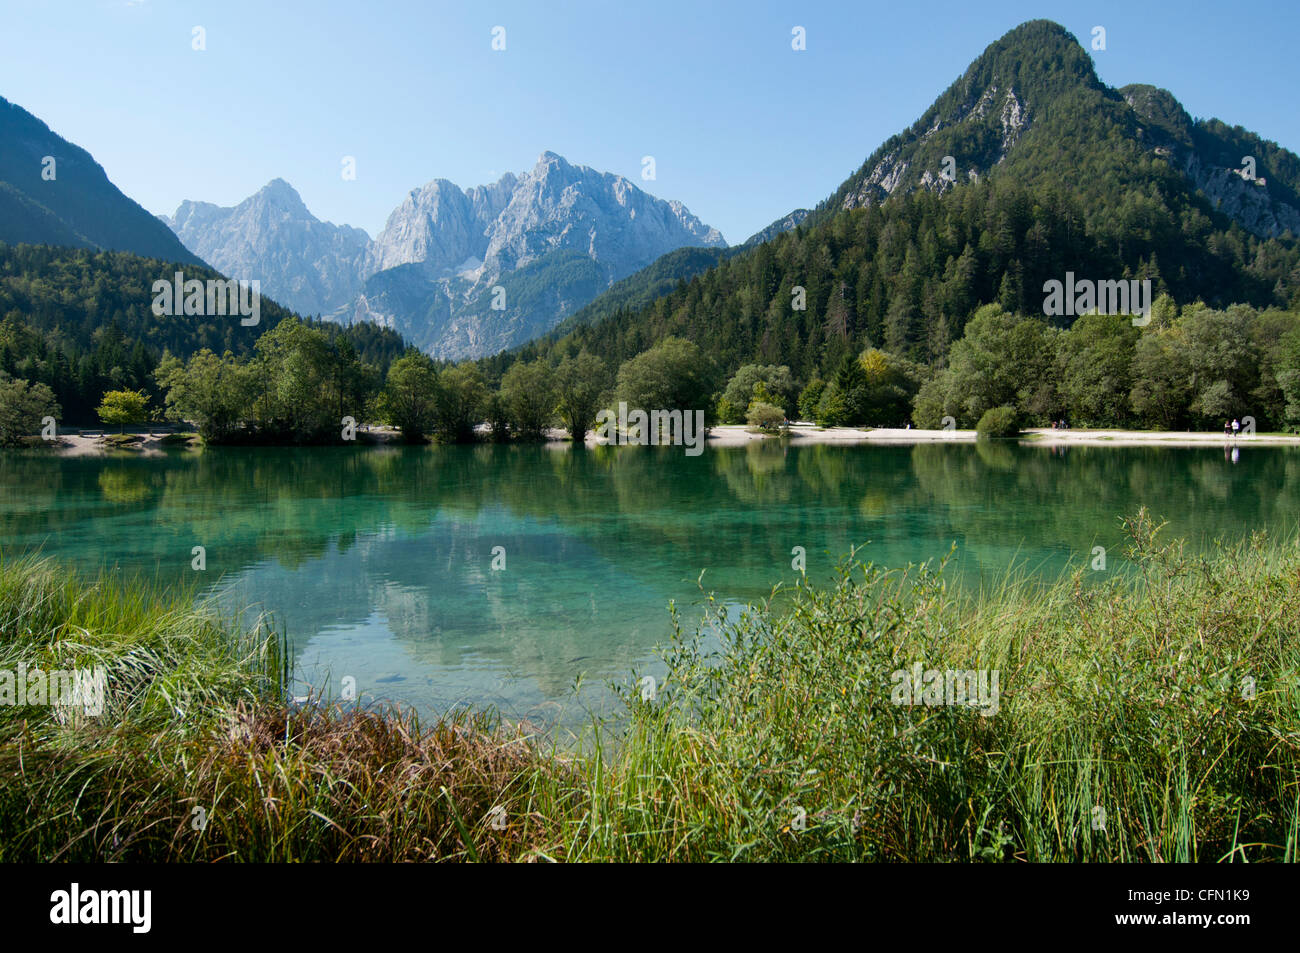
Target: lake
380,562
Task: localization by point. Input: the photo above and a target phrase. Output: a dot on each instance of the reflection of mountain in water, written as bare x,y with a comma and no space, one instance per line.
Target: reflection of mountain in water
433,591
379,561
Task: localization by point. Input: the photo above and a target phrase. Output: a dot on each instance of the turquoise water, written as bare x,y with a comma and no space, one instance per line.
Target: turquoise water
379,562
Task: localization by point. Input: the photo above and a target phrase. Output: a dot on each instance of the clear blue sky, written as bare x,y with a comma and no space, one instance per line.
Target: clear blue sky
742,128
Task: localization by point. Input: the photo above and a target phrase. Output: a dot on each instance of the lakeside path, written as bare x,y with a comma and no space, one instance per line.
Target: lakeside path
731,435
736,435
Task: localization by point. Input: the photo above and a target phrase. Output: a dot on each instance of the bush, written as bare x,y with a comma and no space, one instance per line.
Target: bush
764,415
1001,421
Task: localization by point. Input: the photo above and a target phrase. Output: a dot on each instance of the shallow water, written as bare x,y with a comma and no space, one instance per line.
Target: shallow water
379,562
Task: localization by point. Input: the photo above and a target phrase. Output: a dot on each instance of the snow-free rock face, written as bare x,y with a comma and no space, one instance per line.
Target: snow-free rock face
501,227
1246,201
1208,155
558,205
552,238
440,226
999,111
310,266
487,268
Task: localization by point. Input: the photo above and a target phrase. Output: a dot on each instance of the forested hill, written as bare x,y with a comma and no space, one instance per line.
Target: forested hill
53,192
1032,108
626,297
1052,171
81,321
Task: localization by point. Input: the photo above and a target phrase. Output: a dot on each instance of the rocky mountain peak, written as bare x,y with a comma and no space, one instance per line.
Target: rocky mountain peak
576,230
308,265
282,195
977,122
551,160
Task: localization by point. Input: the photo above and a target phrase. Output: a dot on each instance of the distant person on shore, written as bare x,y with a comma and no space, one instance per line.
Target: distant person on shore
1236,426
1227,428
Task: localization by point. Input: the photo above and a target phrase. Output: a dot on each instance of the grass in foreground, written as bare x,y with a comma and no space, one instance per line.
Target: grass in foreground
1155,717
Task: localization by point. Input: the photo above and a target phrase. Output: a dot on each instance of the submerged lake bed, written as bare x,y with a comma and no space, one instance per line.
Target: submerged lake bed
499,576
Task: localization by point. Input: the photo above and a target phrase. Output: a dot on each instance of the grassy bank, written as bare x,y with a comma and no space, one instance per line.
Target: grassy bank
1151,717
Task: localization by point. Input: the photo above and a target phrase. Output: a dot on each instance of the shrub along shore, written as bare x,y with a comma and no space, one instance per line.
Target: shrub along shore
1154,716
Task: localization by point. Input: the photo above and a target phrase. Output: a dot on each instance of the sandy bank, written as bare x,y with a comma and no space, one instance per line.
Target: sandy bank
737,435
727,436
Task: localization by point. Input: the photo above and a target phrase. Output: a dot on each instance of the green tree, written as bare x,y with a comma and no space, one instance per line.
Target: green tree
1162,379
1223,359
214,393
673,375
295,370
462,400
891,383
410,395
22,405
1288,378
1095,365
498,418
350,381
931,403
740,390
979,376
528,393
122,407
846,401
811,398
580,384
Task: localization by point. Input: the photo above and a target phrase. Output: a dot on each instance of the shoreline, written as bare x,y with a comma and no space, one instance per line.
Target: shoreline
738,435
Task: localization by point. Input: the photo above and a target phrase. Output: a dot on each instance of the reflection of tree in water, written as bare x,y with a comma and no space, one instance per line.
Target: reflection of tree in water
823,469
599,539
125,485
761,476
293,506
996,454
993,497
1072,503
